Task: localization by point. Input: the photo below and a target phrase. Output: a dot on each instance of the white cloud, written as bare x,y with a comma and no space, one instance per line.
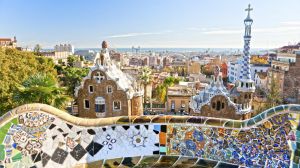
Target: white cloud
138,34
291,23
280,29
228,31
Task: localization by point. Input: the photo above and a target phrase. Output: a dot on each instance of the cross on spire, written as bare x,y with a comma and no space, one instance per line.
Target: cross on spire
249,9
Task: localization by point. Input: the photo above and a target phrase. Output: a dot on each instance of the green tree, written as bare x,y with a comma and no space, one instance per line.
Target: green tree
145,77
37,49
72,59
81,58
72,77
161,90
273,97
41,88
15,67
60,62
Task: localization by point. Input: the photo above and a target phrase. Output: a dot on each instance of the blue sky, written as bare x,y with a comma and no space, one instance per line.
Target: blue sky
152,23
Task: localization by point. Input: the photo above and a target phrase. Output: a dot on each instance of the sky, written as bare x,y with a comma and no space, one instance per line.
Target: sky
149,23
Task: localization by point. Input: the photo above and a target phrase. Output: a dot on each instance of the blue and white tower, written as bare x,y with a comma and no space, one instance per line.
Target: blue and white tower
245,85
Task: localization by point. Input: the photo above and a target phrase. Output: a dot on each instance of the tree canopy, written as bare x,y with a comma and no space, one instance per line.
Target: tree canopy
71,77
161,90
273,97
15,67
41,88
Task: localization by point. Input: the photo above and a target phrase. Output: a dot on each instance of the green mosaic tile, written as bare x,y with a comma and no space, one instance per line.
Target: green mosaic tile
2,152
5,128
17,157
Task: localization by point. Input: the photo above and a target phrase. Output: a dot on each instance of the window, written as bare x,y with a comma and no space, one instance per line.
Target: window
246,85
218,105
242,84
223,105
214,105
109,89
234,100
246,96
117,105
86,104
100,105
91,89
173,104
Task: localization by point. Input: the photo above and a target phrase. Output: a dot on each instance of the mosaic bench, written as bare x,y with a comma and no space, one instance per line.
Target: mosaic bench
38,135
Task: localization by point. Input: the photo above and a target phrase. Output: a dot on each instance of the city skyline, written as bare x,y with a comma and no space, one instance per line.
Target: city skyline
155,24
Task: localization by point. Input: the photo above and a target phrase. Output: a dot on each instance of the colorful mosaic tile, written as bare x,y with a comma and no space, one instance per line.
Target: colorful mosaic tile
38,139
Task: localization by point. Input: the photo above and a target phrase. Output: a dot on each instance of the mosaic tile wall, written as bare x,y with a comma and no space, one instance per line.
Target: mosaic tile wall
38,139
262,146
41,140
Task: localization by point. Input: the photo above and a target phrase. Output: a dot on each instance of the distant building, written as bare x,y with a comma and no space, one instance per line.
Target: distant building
224,70
193,67
234,69
260,80
145,61
178,98
107,91
62,51
287,76
286,57
133,61
289,48
167,61
8,43
87,54
118,57
152,60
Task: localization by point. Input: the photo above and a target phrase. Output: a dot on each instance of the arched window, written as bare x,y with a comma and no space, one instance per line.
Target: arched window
117,105
218,105
242,84
213,105
246,85
109,89
223,105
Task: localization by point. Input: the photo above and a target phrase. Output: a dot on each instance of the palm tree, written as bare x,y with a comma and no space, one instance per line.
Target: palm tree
145,77
41,88
37,49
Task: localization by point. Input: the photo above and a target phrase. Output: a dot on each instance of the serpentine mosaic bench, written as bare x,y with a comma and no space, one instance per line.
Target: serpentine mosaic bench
38,135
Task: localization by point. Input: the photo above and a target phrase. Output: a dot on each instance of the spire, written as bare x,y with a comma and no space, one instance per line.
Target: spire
245,73
248,10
